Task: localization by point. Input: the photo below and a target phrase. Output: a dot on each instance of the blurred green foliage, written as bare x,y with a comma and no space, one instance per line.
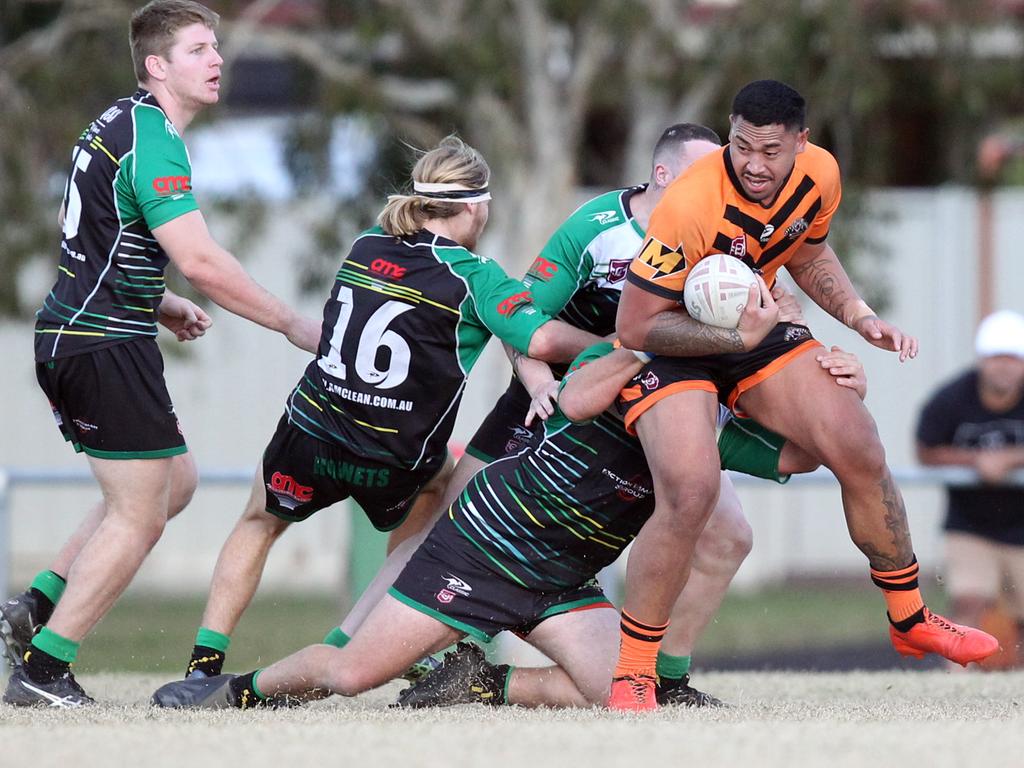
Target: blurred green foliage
557,93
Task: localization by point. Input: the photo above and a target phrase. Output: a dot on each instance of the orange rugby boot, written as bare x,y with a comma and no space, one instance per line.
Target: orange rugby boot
937,634
633,693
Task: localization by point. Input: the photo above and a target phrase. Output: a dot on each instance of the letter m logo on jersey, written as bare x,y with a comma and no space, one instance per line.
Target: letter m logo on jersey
662,259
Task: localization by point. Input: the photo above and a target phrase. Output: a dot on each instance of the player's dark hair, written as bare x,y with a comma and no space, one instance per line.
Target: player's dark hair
673,137
769,102
154,25
450,162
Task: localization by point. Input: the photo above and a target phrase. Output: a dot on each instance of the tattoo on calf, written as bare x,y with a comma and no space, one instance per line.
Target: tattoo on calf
895,519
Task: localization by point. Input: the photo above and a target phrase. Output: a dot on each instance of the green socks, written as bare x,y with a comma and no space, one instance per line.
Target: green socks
337,638
47,588
209,653
49,656
672,667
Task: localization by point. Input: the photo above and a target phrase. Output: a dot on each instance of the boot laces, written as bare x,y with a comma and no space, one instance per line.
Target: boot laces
945,625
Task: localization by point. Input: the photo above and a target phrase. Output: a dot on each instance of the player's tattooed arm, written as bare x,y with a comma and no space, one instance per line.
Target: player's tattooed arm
816,269
674,332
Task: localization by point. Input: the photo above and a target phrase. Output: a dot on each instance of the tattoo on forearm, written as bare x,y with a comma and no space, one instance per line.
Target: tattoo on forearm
895,518
821,281
676,333
515,358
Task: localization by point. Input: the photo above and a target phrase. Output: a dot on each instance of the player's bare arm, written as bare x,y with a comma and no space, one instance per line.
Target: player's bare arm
593,387
536,377
218,275
558,342
817,270
660,326
184,318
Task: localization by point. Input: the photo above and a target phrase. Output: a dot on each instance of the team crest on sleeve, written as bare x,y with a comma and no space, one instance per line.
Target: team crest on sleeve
662,259
617,269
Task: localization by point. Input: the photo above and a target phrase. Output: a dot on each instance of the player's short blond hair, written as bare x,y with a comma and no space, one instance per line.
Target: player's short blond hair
450,162
153,27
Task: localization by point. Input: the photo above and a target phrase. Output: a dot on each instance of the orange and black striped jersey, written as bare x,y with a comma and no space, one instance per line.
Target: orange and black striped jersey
706,211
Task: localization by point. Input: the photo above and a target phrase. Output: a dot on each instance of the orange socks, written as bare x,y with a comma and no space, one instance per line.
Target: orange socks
638,651
901,592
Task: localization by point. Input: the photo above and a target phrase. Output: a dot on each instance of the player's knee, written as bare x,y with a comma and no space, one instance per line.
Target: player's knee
183,487
150,531
856,450
686,504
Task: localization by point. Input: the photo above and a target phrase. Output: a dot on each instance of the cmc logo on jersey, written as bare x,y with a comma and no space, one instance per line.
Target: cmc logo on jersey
172,185
542,269
387,268
661,258
289,492
512,303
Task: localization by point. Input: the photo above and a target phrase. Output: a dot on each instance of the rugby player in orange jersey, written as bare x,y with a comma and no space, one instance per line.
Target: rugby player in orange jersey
768,198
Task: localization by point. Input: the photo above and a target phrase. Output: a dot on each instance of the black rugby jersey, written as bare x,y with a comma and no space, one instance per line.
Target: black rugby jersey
407,319
130,173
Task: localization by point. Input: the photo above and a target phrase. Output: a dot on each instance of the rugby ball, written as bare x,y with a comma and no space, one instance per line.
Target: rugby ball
716,290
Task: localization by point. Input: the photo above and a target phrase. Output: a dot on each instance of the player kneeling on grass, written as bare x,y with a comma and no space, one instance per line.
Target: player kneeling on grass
518,551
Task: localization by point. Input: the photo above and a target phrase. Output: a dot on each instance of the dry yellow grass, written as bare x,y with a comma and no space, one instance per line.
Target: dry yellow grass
779,720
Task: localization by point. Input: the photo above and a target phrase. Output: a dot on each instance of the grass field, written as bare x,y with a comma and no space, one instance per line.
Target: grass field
933,719
154,634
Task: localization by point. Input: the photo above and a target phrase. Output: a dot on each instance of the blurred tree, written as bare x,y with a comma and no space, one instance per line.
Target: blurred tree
555,93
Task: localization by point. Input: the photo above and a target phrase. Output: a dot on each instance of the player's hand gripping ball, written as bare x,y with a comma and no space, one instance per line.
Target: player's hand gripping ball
717,289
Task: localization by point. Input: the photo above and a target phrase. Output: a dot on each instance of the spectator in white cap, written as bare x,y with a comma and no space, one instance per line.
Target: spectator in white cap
977,421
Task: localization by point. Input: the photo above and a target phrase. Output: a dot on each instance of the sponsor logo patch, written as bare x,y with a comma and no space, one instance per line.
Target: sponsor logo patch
766,234
605,217
457,585
650,381
542,269
444,596
387,268
172,185
661,258
520,437
510,304
288,492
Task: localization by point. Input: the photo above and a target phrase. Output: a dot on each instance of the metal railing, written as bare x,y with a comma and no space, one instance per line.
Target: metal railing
12,478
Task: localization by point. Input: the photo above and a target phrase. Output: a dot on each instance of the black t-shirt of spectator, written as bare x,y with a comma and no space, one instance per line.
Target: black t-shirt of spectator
955,416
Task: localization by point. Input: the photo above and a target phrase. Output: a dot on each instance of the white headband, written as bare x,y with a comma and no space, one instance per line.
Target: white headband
454,193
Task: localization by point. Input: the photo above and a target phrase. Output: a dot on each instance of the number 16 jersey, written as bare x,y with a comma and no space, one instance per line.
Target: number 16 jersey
406,321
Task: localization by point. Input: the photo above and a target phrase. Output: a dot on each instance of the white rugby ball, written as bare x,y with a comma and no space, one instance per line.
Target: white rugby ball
716,290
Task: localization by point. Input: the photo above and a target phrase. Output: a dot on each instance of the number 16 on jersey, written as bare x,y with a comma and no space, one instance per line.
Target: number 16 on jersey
375,334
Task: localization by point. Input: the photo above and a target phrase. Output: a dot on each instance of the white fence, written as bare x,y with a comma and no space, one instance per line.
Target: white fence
793,534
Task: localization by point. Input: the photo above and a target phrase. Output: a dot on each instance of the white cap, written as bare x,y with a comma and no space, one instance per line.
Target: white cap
1001,333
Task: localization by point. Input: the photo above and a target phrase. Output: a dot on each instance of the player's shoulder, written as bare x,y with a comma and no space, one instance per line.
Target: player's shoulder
151,122
597,214
818,163
703,181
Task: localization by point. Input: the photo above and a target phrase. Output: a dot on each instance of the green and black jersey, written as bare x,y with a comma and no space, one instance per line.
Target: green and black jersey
579,274
407,319
562,509
130,173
